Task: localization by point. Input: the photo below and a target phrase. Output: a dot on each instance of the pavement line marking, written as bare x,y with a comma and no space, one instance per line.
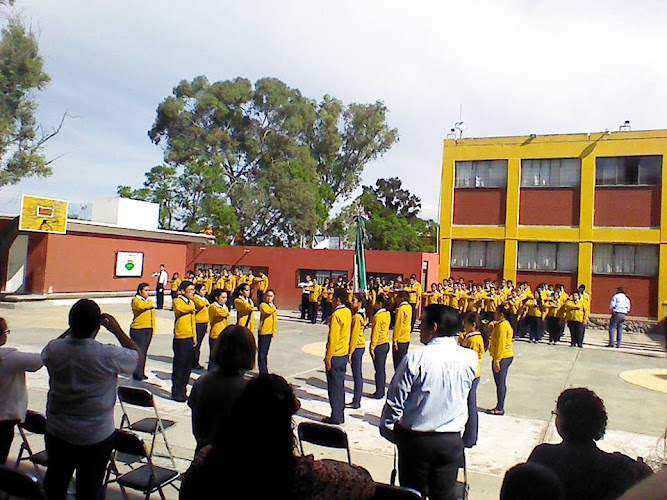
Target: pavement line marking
304,372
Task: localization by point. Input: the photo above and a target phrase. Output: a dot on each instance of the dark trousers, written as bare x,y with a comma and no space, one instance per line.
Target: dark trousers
211,347
304,305
326,311
513,323
6,438
312,312
398,355
554,328
174,296
89,461
201,332
142,337
535,327
472,426
264,342
260,297
159,295
357,374
414,316
616,327
380,363
576,333
500,379
230,300
336,387
182,366
429,462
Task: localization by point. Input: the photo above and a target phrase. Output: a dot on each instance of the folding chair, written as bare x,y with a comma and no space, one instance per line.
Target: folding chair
137,396
15,483
323,435
147,478
389,492
34,423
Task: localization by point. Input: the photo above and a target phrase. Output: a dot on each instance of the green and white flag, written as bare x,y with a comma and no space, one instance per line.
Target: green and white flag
359,258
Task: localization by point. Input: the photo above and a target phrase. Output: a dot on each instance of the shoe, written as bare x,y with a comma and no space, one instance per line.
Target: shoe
141,377
329,420
179,400
609,345
197,367
496,411
377,396
353,406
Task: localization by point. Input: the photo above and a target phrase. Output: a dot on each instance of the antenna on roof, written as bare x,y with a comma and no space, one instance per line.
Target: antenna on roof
625,127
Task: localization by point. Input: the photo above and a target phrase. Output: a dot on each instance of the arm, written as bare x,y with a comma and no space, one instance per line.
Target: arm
142,305
332,341
22,362
399,391
110,323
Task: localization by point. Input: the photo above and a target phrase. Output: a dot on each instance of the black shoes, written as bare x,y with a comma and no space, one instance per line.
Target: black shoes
198,367
354,406
329,420
141,377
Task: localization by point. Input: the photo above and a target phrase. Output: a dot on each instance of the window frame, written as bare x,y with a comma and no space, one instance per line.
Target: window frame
524,168
472,166
616,183
333,274
558,256
635,252
487,243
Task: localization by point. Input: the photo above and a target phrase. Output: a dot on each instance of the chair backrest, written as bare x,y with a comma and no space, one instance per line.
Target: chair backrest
137,396
322,435
129,443
34,422
388,492
20,484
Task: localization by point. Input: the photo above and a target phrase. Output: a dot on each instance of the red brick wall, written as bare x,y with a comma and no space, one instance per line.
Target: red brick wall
569,280
480,206
642,290
627,206
549,206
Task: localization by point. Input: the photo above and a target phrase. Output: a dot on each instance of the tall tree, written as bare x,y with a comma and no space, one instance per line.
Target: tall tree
21,74
267,160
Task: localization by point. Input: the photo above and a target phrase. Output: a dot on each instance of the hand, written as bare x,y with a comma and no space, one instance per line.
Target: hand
110,323
396,346
194,341
373,355
327,364
496,366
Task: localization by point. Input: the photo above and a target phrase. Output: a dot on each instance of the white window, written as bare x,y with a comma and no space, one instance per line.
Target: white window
481,174
477,254
625,259
558,172
561,257
628,171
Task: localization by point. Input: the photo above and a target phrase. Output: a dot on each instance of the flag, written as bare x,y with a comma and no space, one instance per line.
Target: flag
359,258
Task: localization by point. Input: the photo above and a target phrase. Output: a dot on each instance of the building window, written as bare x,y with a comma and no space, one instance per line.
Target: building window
481,174
255,269
639,260
216,267
558,172
319,274
628,171
477,254
386,276
561,257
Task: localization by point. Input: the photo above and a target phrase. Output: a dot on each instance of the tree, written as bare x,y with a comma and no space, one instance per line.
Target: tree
261,160
393,223
21,74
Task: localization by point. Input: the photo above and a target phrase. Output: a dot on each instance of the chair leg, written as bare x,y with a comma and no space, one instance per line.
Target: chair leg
166,443
161,494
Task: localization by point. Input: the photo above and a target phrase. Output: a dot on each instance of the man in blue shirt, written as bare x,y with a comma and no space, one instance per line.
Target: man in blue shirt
427,406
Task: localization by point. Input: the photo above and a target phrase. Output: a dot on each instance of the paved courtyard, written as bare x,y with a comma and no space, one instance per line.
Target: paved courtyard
632,382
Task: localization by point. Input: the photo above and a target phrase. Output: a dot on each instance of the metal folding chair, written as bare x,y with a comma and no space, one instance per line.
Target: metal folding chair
323,435
137,396
34,423
16,483
147,478
389,492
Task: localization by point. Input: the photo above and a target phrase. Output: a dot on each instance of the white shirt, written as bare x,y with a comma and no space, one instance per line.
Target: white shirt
13,393
83,376
429,391
163,277
620,303
304,284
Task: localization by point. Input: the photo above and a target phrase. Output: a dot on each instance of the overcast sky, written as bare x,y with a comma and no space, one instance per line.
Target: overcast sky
517,67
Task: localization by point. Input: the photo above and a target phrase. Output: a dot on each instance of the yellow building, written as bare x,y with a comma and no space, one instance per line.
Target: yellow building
574,209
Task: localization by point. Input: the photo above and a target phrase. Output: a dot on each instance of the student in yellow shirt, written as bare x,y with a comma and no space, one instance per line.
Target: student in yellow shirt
379,347
143,326
357,346
552,305
201,321
268,326
502,355
432,296
327,301
474,339
218,318
262,284
533,313
174,283
229,286
575,308
335,359
245,307
414,290
314,300
402,329
185,340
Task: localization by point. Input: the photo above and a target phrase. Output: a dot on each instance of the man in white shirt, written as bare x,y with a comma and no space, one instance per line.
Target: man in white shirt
427,406
83,376
13,392
162,280
305,296
620,307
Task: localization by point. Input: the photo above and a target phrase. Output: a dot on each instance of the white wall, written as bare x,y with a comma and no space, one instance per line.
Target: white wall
124,212
18,257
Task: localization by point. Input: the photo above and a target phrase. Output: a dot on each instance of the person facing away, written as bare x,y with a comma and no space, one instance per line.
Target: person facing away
13,391
620,307
213,394
83,377
586,471
427,406
530,481
261,431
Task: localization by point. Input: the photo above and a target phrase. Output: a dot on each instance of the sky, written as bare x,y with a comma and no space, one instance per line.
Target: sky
515,67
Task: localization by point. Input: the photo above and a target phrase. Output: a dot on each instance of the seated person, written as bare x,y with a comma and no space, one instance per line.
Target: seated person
254,457
531,482
586,471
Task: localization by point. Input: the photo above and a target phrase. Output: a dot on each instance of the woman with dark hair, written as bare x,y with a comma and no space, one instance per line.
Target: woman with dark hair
218,317
225,467
357,346
185,340
533,314
174,283
245,308
201,321
268,327
474,339
502,355
586,471
143,326
213,394
379,346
